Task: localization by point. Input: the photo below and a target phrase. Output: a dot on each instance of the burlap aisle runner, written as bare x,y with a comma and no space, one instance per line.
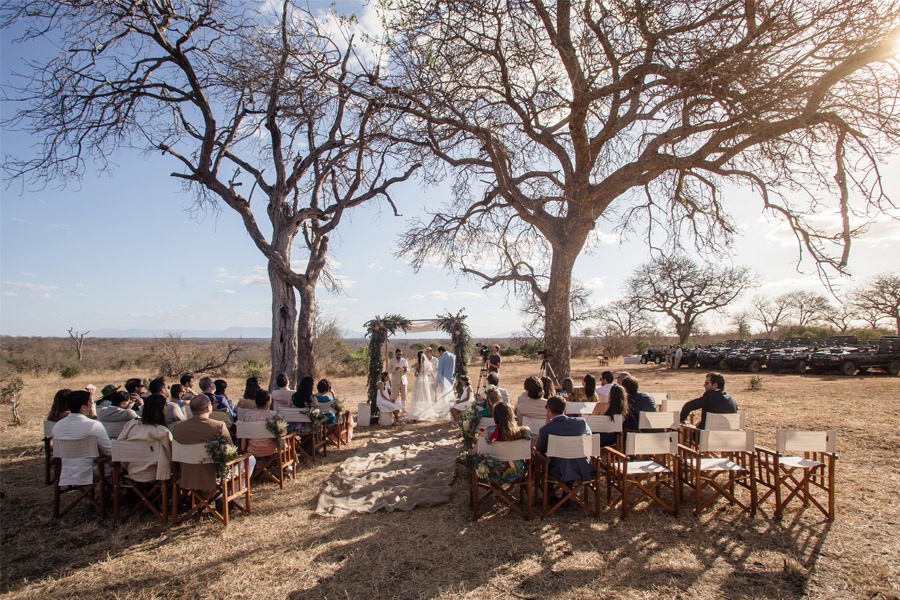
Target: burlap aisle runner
399,471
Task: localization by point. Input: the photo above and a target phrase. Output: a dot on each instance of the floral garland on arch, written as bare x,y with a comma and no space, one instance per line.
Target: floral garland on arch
455,326
378,330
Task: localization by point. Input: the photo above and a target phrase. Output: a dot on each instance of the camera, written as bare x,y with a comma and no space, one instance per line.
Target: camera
483,349
542,353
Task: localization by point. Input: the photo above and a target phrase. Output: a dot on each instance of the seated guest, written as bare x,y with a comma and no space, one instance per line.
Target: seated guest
606,382
465,399
174,407
114,417
532,402
568,470
199,429
548,388
486,407
493,382
505,428
223,402
187,382
151,427
568,390
262,412
325,396
713,400
59,410
248,400
79,424
106,394
281,395
383,398
620,377
135,388
616,403
637,402
302,398
590,388
158,386
219,412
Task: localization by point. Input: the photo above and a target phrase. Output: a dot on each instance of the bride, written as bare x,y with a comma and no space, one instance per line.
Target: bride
422,408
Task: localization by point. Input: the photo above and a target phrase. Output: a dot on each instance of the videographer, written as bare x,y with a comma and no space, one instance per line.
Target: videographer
494,360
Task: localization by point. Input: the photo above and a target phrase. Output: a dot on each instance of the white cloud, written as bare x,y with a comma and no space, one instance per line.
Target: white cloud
29,286
469,294
438,294
595,283
45,296
18,220
256,276
228,291
8,294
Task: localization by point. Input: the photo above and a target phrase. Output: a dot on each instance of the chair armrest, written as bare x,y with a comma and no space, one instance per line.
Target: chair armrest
768,452
687,451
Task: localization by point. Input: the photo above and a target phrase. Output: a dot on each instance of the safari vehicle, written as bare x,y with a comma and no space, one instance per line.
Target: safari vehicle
882,354
653,355
794,359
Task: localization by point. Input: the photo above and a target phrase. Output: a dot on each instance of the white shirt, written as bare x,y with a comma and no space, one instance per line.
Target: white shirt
603,390
403,365
281,398
79,471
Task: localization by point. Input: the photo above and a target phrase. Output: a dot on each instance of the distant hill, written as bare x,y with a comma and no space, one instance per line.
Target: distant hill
231,333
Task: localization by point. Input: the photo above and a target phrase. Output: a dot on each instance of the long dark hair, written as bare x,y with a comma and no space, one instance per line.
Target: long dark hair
420,357
59,405
507,430
154,411
590,387
618,403
302,398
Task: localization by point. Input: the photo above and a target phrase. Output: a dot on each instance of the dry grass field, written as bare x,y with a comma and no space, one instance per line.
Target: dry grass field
283,551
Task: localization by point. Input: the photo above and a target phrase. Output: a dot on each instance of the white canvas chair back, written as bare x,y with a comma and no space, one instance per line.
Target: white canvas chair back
514,450
727,441
534,424
192,454
665,442
573,446
326,407
254,430
604,424
133,451
294,415
725,422
81,448
788,440
669,405
658,397
48,428
241,412
579,409
658,420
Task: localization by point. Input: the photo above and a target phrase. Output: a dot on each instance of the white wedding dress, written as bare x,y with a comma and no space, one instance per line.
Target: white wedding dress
423,401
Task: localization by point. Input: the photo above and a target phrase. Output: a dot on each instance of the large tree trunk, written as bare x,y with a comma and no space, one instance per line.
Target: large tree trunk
284,327
305,320
557,317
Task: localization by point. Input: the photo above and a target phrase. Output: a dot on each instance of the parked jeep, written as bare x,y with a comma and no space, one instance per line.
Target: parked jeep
653,355
883,354
752,359
793,359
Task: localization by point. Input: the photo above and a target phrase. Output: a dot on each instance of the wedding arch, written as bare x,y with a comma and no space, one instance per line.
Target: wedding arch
380,328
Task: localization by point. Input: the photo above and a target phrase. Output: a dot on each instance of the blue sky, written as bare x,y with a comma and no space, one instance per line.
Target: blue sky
126,251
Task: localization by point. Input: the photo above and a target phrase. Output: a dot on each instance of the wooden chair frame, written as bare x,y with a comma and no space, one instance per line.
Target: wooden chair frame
49,463
278,466
228,490
306,445
578,446
648,465
689,434
151,495
517,495
729,455
94,493
778,470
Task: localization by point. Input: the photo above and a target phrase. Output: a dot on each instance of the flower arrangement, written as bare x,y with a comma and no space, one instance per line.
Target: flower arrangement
278,428
316,416
220,452
468,425
488,468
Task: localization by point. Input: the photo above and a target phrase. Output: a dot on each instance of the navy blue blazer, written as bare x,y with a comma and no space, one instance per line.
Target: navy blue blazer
566,469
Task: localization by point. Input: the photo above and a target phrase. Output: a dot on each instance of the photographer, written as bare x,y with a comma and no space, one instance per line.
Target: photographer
493,360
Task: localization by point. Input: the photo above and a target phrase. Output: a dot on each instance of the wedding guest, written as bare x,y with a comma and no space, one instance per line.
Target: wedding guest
79,424
616,403
505,427
606,382
187,382
199,429
568,391
531,403
175,406
114,417
566,469
383,400
135,388
303,396
281,395
637,402
151,427
548,387
261,412
465,399
59,410
248,400
223,402
590,388
325,395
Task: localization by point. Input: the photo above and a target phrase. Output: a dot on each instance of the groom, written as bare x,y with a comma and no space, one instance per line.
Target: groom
446,365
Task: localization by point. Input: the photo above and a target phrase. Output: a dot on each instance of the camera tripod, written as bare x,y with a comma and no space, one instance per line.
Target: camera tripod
482,375
546,367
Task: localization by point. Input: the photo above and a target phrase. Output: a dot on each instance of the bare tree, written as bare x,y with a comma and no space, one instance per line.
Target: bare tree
741,321
840,316
808,308
881,298
552,115
771,313
580,310
684,291
625,318
78,340
239,99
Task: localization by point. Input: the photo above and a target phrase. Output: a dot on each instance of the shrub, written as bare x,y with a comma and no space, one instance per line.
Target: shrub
253,368
355,362
756,383
70,371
